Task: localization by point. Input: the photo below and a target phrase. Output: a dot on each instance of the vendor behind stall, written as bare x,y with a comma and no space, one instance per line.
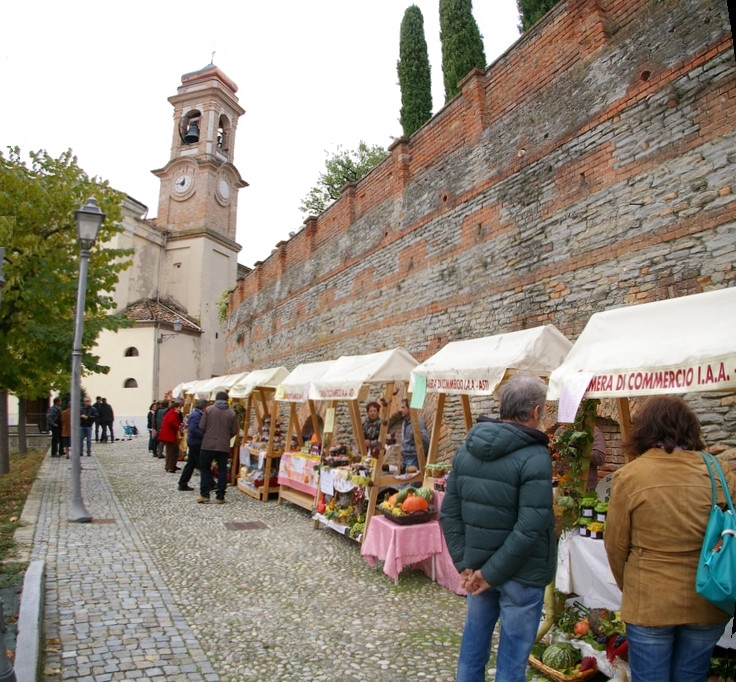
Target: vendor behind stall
372,426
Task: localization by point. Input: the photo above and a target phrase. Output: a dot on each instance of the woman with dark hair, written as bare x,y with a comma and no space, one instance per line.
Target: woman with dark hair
656,520
372,424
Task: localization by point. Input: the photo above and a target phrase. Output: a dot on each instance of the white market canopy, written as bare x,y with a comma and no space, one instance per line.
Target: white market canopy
180,390
190,388
295,387
477,366
680,345
213,386
349,373
259,378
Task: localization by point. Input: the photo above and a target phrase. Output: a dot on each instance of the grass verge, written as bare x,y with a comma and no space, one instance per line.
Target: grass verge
14,489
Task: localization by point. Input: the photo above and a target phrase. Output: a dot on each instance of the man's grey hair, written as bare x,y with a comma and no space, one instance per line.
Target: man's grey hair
201,403
519,396
221,395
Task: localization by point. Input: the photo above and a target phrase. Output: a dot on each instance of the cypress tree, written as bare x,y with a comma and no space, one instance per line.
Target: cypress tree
414,72
462,43
532,11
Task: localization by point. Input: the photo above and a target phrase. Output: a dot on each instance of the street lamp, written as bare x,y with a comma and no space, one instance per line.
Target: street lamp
176,326
89,218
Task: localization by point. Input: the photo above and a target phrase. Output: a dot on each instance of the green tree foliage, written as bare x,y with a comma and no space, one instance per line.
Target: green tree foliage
341,168
532,11
462,44
414,72
38,201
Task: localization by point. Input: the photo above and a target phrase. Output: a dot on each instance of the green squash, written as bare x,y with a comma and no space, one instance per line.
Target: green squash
425,493
561,656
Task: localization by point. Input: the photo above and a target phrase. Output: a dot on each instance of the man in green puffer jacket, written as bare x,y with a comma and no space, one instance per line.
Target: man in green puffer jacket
498,522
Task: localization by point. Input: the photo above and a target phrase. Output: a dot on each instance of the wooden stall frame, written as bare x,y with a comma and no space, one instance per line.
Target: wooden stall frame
298,497
378,478
257,407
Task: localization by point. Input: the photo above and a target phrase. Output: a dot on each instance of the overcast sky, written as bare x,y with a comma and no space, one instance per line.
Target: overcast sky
95,77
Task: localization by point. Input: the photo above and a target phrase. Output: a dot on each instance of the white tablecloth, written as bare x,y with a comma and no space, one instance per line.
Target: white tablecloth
582,568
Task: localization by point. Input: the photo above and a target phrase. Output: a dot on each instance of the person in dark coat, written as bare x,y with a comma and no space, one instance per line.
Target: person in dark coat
53,424
151,426
87,416
106,417
219,424
163,408
498,521
194,444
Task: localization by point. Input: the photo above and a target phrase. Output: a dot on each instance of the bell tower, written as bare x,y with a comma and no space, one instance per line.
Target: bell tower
199,184
197,211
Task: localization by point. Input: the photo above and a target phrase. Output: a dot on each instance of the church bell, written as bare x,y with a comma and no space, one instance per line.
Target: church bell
192,134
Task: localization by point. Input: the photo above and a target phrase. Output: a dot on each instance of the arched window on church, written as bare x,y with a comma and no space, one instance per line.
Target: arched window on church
131,352
130,383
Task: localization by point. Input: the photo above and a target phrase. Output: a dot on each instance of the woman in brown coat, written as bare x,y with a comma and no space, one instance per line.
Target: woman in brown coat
656,520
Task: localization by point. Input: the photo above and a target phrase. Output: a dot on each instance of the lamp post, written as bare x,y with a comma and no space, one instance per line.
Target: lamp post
89,218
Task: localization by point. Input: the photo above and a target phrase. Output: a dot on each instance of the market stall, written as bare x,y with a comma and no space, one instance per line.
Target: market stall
476,367
210,387
299,465
681,345
350,478
255,460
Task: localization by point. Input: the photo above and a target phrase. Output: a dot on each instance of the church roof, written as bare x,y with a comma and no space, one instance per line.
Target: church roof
151,310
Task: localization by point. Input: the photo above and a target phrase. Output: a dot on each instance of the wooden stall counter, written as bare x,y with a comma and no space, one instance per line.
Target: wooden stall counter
299,478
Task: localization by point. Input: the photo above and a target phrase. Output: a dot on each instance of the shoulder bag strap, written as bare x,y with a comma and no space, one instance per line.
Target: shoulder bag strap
711,461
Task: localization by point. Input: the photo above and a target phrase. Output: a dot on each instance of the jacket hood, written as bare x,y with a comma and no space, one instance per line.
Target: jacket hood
222,404
492,439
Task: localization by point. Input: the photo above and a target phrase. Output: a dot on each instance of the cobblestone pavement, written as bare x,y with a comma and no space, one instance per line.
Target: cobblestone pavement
158,588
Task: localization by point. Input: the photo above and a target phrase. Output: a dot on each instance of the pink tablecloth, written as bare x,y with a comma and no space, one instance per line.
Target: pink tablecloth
444,570
398,546
412,546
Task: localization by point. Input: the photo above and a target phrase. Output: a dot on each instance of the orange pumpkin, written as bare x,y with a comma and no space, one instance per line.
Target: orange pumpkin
392,500
414,503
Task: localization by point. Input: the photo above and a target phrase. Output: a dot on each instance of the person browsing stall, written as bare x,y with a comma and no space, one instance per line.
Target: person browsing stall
498,521
657,514
219,424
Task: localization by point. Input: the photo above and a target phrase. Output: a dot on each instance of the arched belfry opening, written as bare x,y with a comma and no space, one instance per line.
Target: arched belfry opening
190,126
223,135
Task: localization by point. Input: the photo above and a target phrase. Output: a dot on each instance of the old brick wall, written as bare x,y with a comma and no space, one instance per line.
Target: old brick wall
593,165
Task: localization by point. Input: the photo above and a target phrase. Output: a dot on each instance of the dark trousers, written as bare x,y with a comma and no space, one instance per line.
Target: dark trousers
191,465
171,451
56,448
105,426
206,482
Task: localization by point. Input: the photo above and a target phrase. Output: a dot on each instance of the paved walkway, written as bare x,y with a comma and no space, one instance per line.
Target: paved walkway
160,588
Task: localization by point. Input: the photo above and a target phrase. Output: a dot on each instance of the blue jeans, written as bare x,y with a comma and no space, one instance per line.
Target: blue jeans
519,608
85,434
679,653
206,483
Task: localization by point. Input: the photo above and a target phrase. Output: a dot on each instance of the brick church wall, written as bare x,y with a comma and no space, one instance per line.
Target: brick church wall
591,166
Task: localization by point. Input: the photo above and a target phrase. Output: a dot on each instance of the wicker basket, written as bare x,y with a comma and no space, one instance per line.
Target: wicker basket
557,675
409,519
